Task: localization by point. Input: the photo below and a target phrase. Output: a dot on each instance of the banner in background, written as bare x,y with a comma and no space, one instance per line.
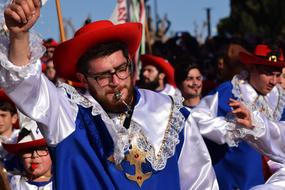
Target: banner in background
131,11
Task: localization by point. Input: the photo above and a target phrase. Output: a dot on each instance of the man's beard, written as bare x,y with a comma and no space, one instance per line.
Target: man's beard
115,106
150,85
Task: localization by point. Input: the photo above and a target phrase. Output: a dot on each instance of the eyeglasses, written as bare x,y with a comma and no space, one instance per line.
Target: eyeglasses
103,79
35,152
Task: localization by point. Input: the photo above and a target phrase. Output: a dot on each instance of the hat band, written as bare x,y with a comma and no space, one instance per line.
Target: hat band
271,58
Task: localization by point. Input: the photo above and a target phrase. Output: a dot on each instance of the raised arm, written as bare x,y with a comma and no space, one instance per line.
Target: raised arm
20,16
22,79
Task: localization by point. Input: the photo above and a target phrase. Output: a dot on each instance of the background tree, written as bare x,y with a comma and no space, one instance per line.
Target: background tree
258,18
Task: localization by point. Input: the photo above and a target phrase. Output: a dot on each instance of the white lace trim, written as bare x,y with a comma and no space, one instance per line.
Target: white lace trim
259,105
124,138
236,132
10,74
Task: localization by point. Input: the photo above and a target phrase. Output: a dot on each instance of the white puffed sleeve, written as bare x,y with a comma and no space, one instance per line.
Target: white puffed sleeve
35,95
195,166
275,182
220,129
272,142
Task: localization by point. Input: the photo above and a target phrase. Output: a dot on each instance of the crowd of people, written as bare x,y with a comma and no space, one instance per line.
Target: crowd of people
76,115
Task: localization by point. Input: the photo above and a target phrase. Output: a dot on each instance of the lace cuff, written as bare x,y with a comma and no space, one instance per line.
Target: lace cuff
236,132
10,74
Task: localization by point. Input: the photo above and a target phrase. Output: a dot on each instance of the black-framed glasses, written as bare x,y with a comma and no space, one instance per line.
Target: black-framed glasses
40,152
103,79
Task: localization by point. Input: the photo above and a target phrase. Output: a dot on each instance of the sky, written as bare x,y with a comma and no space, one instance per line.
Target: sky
183,14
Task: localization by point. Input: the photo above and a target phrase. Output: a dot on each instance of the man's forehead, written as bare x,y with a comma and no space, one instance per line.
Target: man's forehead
150,66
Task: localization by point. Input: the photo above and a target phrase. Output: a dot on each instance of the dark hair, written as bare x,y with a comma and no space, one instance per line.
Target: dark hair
183,67
101,50
7,106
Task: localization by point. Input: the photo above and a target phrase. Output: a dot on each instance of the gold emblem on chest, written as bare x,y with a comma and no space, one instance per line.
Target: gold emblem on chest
136,158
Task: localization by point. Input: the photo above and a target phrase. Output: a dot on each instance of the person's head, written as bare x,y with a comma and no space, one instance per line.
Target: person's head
8,115
100,57
106,69
36,161
265,67
228,62
33,151
50,70
155,73
50,45
263,78
189,79
152,78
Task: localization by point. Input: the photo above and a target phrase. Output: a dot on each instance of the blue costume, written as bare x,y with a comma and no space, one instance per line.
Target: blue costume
91,149
238,166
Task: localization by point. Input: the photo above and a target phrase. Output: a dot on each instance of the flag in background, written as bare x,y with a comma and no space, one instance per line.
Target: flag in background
131,11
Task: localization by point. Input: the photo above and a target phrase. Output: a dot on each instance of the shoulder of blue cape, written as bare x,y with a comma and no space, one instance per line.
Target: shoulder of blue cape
224,91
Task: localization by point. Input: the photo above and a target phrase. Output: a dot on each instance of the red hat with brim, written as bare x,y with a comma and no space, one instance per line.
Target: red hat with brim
67,54
161,63
263,55
50,43
28,138
16,148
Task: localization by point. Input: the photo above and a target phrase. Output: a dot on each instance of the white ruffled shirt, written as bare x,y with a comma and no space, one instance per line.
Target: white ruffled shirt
268,136
39,99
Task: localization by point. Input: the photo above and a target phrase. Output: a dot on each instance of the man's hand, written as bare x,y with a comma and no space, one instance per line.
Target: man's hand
242,114
21,15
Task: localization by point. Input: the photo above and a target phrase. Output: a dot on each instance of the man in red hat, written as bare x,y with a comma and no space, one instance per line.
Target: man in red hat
50,45
32,149
241,167
157,74
113,136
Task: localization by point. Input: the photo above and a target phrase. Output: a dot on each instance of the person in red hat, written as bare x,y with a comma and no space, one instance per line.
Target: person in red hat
114,135
31,147
50,45
239,165
157,74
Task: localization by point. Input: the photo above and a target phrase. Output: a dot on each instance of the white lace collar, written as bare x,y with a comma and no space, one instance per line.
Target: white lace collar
135,134
271,105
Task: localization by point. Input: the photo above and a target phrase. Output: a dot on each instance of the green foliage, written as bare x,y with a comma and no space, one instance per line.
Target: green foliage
261,18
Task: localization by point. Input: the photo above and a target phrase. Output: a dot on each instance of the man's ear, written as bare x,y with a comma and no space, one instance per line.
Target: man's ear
81,77
14,118
161,76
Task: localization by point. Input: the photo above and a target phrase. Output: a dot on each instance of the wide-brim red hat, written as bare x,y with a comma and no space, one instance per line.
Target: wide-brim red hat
16,148
68,53
163,64
27,139
264,55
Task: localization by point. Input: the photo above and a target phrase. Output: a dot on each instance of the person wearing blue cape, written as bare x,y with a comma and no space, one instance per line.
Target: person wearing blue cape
241,165
113,135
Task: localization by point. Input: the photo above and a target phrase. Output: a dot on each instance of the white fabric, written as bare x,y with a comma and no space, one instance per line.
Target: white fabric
267,110
18,182
267,136
12,139
275,182
168,90
38,98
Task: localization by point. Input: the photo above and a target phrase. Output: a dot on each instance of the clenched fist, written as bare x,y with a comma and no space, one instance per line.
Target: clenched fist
21,15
